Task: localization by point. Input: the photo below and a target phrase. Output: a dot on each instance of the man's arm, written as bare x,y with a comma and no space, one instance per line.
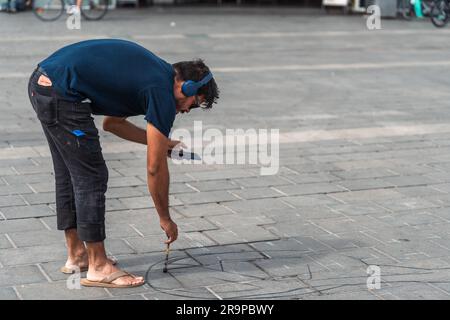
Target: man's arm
124,129
158,179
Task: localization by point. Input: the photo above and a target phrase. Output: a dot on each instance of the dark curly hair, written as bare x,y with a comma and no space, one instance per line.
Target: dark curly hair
196,70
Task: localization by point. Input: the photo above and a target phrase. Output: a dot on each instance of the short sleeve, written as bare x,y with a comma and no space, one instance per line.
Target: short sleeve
161,108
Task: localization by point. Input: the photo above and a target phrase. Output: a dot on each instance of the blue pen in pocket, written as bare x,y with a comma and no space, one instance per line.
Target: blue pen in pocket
78,133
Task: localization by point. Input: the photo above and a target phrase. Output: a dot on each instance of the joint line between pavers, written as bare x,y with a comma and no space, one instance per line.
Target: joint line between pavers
436,287
288,204
44,273
24,200
15,170
32,189
108,293
5,181
136,230
129,245
17,293
279,191
45,224
11,241
237,196
213,293
192,187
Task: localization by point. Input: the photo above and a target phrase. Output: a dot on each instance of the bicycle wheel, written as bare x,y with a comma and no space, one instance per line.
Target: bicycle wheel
48,10
94,9
440,14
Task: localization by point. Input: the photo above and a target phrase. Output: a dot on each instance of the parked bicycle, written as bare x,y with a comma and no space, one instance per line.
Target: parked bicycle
440,13
51,10
407,8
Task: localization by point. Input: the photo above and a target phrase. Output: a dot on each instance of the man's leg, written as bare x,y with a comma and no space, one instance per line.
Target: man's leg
65,200
89,175
65,207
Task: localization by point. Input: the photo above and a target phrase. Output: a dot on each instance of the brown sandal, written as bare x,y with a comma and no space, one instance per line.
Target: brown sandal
106,282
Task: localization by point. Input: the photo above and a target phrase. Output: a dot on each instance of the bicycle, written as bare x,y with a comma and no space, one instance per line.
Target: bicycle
51,10
440,13
407,9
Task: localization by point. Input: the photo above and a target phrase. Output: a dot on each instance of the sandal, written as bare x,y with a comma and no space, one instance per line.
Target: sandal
106,282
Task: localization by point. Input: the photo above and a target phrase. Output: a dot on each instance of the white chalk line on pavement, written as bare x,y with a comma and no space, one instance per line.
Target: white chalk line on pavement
285,138
300,67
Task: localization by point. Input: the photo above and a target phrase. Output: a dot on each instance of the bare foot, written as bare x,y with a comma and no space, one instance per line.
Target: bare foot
81,261
96,274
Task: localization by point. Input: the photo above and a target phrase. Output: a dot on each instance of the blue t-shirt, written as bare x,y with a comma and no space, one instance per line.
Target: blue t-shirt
121,78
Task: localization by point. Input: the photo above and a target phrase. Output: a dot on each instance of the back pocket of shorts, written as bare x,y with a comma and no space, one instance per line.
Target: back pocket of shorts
46,109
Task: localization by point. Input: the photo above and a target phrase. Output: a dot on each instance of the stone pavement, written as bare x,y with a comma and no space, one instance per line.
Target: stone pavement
364,162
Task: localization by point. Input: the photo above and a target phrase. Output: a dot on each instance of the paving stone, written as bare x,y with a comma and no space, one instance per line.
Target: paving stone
181,294
4,242
27,212
313,177
8,294
263,181
117,182
240,234
406,204
30,178
295,228
30,255
205,197
412,292
207,256
8,226
257,193
214,185
13,190
10,201
403,181
288,267
42,187
175,188
228,221
310,188
263,289
40,198
310,200
419,191
256,206
365,174
123,192
365,184
289,248
41,237
155,243
144,202
358,208
18,275
222,174
59,291
367,195
202,210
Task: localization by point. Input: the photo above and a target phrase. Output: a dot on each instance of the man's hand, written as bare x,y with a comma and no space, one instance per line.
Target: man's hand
176,143
170,228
